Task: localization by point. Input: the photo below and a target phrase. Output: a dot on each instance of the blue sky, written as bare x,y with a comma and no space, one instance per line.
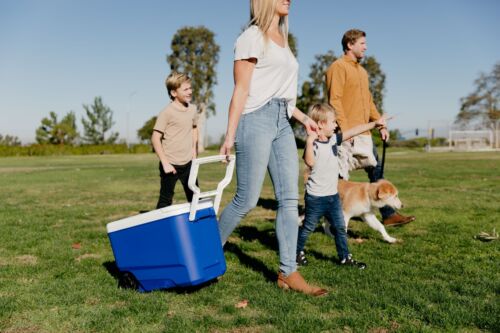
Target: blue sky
56,55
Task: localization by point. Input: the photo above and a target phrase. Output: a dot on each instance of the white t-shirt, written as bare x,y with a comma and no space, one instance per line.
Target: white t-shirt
324,176
275,74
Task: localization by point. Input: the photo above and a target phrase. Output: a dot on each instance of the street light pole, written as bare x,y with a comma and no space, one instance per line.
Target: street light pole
128,114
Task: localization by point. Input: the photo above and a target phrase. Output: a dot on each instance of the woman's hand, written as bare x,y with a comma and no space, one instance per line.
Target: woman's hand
226,147
310,125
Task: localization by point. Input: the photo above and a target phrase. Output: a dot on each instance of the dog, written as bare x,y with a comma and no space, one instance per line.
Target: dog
362,199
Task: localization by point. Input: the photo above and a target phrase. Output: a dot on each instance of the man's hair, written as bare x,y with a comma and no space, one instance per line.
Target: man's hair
350,37
174,81
318,112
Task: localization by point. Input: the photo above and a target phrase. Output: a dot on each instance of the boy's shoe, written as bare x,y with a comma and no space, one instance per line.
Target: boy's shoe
352,263
301,259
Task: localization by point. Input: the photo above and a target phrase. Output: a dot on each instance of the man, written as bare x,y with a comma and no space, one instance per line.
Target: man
349,94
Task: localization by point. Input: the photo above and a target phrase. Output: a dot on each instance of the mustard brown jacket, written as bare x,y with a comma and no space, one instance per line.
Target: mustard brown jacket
349,93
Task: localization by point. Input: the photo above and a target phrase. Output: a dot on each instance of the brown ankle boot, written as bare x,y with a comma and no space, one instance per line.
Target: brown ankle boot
296,282
397,219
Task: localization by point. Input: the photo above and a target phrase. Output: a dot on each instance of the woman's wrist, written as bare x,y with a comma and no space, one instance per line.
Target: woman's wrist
230,133
304,119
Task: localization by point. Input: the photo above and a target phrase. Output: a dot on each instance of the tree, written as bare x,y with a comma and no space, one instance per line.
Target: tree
9,140
146,131
99,122
314,89
292,44
195,52
55,132
481,107
376,79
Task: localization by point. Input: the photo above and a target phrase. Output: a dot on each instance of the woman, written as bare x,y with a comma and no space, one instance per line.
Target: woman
263,101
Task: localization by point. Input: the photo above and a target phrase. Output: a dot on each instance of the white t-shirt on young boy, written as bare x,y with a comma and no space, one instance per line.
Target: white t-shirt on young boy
324,176
275,74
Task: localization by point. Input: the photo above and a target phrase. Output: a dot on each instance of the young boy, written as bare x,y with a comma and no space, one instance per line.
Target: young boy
322,198
175,137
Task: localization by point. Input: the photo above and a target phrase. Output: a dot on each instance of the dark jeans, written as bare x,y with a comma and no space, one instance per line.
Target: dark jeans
375,173
330,207
168,181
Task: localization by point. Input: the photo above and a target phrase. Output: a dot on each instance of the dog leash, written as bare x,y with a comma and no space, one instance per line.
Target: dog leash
384,145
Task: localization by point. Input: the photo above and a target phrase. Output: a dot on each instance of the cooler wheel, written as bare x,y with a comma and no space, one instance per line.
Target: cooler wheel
128,281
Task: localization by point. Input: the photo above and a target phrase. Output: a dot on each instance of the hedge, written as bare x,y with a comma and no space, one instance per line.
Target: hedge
46,150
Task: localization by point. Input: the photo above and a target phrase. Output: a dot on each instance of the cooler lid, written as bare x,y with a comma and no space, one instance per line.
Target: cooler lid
155,215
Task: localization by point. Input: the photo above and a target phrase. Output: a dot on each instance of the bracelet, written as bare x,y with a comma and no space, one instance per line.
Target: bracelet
305,119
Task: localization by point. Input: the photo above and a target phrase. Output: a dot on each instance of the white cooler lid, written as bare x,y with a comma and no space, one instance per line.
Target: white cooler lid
155,215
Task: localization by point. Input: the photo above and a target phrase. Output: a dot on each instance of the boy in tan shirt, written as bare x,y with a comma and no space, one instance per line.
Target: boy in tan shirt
174,139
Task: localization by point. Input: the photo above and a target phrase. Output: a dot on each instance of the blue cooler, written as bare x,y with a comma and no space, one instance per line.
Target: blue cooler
175,246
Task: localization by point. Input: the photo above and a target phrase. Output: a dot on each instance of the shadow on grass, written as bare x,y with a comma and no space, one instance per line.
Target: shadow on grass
265,237
322,256
272,204
355,234
251,262
268,239
113,270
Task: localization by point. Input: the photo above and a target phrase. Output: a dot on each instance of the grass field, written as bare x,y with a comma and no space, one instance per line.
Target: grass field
57,268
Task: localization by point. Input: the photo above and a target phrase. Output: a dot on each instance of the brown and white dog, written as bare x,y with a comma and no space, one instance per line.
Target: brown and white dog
363,199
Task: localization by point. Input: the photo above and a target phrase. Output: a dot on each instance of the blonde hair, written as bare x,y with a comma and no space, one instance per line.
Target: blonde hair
262,14
174,81
318,112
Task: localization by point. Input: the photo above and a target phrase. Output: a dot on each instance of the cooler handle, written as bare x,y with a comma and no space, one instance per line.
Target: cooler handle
197,194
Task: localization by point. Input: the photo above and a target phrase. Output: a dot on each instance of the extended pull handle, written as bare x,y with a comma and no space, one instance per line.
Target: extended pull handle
197,194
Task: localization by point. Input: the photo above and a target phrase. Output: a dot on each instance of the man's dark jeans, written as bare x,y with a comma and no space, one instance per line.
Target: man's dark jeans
168,181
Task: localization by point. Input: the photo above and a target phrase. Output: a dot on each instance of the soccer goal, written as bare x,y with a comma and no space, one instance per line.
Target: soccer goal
471,140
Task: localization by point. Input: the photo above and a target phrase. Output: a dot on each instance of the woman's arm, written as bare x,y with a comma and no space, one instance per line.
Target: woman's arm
243,70
308,123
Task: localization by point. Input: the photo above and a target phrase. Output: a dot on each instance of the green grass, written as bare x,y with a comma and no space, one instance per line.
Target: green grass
437,279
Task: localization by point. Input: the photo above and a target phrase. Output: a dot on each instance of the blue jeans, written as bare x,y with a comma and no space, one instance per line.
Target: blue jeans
330,207
265,140
374,174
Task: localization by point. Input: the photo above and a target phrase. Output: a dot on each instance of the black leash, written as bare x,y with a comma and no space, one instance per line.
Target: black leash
384,145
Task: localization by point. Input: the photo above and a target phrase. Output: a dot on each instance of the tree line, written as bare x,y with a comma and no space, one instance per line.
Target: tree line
97,123
195,52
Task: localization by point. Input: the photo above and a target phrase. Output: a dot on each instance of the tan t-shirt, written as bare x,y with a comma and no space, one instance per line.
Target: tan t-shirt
177,123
